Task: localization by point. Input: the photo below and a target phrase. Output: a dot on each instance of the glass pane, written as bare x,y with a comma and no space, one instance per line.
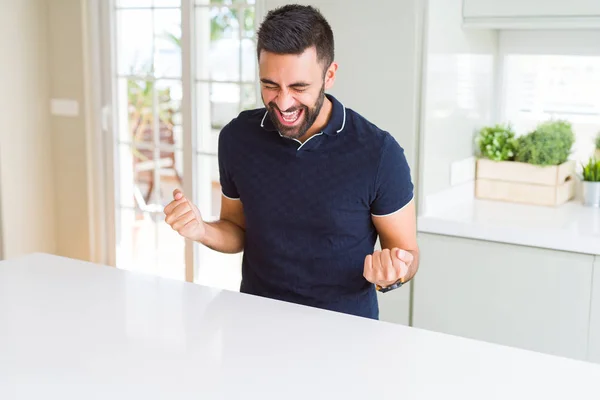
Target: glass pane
225,2
249,60
137,179
167,3
217,44
167,29
178,129
218,104
249,100
249,24
543,87
154,181
134,44
170,175
147,244
148,3
170,95
225,103
137,117
171,251
219,270
138,174
209,188
136,244
213,268
127,185
134,3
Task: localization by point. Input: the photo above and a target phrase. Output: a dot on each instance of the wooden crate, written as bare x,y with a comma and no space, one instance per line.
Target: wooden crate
525,183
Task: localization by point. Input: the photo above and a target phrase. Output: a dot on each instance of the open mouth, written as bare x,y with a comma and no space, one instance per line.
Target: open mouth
289,118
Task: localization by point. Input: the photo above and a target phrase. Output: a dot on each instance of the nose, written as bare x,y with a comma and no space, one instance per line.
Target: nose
284,100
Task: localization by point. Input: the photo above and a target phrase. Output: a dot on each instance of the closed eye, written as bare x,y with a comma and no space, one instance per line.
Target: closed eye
300,86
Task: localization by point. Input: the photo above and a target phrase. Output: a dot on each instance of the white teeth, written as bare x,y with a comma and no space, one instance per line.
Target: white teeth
290,116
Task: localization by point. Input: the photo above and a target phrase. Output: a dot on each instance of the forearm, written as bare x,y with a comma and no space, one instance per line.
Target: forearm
224,236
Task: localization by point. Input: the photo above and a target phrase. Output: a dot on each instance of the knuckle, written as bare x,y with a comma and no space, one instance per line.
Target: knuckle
376,264
398,268
390,275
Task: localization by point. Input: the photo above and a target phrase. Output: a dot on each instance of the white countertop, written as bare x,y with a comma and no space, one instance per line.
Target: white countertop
73,330
569,227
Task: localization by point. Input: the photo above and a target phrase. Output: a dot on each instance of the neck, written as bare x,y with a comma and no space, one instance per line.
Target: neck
320,122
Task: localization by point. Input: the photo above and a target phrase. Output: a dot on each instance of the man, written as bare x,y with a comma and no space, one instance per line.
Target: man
308,184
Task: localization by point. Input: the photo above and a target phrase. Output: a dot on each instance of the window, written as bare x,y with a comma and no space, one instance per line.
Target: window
545,77
179,71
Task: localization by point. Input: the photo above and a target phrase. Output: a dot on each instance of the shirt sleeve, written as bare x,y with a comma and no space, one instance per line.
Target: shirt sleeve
393,185
225,156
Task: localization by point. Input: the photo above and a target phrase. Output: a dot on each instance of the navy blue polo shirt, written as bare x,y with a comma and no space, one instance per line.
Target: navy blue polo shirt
309,206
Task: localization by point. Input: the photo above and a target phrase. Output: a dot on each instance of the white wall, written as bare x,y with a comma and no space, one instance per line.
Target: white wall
43,182
458,91
27,190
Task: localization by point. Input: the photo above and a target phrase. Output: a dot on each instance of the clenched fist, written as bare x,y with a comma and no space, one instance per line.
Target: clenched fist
184,217
386,267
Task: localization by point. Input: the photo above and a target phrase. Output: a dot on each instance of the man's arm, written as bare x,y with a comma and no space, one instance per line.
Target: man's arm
399,257
399,230
227,235
393,215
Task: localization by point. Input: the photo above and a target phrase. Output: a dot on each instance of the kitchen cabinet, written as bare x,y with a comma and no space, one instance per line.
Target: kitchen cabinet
594,343
532,13
530,8
526,297
394,306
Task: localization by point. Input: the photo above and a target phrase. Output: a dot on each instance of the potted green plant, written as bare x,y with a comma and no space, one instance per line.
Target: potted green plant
533,168
497,143
597,153
591,182
549,144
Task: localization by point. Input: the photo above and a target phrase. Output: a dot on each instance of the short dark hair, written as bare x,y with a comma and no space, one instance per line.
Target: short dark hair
293,28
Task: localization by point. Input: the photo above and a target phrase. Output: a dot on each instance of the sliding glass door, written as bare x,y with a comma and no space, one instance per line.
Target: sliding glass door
179,71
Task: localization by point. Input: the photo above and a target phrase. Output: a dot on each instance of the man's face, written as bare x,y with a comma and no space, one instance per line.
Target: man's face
293,89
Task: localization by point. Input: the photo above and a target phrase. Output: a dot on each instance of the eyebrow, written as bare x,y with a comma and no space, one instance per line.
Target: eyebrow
296,85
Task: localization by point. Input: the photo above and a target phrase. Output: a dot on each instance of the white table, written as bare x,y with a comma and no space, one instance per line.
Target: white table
74,330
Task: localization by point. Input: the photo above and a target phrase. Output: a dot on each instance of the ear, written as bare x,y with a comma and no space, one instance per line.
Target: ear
330,75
